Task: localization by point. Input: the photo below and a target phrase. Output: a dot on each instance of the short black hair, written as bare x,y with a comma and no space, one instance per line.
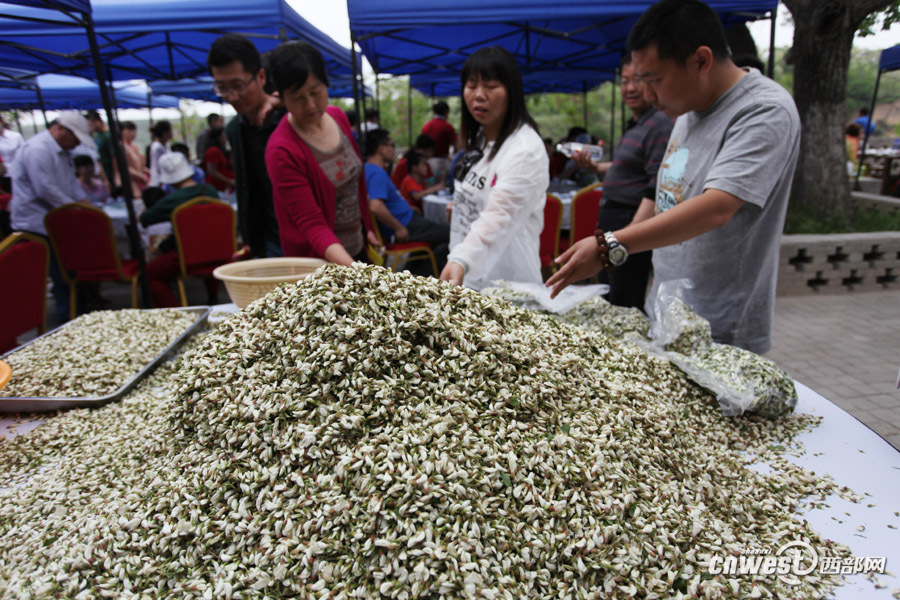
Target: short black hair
291,64
213,135
128,125
624,61
150,195
93,115
180,147
352,116
495,63
233,47
441,108
212,117
372,113
424,142
749,60
159,128
864,111
413,158
374,139
678,28
83,160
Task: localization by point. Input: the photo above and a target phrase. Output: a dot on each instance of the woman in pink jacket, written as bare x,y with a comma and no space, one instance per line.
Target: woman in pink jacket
316,170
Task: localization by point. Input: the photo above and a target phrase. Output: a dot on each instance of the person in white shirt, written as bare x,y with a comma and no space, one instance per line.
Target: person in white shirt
162,134
10,142
43,178
501,183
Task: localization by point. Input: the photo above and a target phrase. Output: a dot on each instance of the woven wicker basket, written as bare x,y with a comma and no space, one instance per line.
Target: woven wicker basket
249,280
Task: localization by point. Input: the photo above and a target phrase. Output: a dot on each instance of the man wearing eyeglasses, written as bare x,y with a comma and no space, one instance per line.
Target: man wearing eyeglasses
239,79
722,190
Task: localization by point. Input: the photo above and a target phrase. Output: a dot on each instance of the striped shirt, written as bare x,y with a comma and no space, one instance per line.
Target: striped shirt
632,176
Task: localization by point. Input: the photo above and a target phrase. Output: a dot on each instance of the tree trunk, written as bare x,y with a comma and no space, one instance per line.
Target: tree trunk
823,37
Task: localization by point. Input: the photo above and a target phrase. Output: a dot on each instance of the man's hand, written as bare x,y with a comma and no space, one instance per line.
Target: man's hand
373,239
453,272
580,262
583,159
401,234
449,211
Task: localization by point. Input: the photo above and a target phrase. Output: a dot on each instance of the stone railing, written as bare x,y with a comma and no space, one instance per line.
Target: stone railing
839,263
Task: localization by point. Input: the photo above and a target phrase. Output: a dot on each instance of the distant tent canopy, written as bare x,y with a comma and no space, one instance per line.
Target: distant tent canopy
434,38
890,59
201,88
155,39
61,92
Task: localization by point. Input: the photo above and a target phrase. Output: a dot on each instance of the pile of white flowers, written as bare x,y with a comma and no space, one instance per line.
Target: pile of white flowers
365,434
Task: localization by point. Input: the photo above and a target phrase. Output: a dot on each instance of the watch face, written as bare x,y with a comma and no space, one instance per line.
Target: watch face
617,255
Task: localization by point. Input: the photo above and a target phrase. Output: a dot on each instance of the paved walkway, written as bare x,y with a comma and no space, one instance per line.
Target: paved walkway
846,348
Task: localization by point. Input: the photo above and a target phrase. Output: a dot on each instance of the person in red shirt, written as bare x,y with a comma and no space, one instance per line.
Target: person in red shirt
413,186
425,146
217,164
444,136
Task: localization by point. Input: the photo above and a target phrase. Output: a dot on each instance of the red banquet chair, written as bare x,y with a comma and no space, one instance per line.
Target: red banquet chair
24,264
584,213
553,211
83,239
401,250
206,235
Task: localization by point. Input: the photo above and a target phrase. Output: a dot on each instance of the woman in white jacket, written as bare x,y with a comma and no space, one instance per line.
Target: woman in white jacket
501,183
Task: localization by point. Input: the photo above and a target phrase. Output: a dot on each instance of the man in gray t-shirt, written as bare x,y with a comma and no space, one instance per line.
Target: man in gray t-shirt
723,187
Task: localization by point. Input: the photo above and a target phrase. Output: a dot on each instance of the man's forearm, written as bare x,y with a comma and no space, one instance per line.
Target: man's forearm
383,214
644,211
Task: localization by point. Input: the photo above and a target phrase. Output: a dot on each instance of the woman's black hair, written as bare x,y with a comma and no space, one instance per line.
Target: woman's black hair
212,137
159,128
292,62
128,125
495,63
413,158
83,160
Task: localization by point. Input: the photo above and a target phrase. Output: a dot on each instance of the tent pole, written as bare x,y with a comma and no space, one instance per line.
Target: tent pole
771,66
137,250
409,112
183,126
355,84
612,122
18,124
34,122
378,99
150,108
584,102
862,155
40,96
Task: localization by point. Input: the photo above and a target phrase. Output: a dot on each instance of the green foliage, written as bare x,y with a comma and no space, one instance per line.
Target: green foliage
885,18
861,221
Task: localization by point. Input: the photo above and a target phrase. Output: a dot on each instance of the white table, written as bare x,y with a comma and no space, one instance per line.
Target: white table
434,207
842,447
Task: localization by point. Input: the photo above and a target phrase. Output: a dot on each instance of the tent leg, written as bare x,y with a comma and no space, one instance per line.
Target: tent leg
409,112
137,251
18,124
771,65
862,155
612,122
43,109
584,103
356,86
183,125
150,108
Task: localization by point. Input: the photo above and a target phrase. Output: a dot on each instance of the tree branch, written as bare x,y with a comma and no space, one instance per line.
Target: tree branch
860,9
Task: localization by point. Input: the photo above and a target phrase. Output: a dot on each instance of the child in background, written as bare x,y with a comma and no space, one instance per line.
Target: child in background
413,185
94,189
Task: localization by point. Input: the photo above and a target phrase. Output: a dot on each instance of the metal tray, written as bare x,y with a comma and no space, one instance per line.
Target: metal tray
31,405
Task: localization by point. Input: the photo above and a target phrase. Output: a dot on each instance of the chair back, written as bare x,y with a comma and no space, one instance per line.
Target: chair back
205,231
584,214
83,239
24,264
553,211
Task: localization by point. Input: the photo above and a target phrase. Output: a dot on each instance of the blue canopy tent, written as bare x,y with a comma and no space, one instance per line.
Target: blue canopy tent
74,16
890,61
61,92
563,82
156,39
201,88
433,39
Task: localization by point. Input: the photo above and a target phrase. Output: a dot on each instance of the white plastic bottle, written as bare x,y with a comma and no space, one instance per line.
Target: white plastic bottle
570,148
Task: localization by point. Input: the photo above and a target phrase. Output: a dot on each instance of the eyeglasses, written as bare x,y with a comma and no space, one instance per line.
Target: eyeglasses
237,87
468,161
646,80
391,144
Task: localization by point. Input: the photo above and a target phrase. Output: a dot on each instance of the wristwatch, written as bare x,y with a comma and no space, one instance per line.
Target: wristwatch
616,252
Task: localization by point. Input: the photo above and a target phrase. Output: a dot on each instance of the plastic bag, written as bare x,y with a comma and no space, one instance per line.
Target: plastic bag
742,381
535,296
